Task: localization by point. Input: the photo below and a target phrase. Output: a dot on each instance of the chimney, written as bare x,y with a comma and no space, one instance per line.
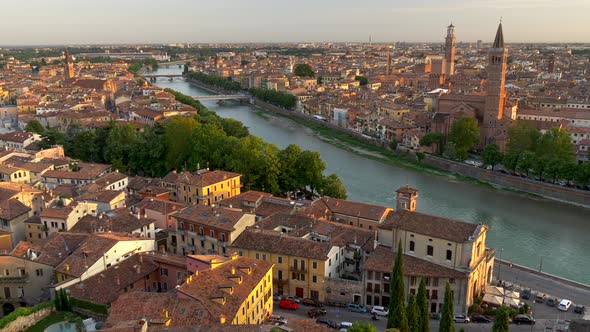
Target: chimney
233,270
138,269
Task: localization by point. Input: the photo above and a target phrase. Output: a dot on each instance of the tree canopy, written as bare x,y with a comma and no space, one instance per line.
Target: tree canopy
464,134
303,70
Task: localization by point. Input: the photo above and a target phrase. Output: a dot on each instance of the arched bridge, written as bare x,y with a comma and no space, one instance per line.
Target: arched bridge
223,97
163,75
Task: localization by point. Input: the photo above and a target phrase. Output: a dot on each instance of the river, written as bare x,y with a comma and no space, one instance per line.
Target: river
530,231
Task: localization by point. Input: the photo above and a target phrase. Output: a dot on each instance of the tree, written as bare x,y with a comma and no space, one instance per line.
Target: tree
35,126
178,146
465,134
433,138
502,323
511,160
522,137
397,308
492,155
362,79
422,304
447,324
310,168
393,145
525,162
303,70
331,186
420,156
413,314
360,326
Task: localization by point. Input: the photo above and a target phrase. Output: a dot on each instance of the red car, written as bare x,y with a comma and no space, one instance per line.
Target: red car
288,304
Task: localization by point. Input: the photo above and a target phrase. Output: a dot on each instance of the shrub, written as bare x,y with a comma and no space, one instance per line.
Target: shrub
22,312
87,305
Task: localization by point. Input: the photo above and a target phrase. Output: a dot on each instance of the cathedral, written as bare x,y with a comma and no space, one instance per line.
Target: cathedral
489,109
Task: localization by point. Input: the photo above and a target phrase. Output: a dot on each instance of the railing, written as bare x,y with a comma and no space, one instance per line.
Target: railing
15,279
298,269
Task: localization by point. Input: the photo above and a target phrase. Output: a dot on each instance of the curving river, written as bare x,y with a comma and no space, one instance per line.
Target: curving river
525,230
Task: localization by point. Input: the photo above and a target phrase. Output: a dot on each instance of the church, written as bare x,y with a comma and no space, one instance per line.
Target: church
490,109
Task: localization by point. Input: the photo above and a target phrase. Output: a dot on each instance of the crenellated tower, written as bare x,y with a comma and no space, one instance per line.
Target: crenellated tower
450,43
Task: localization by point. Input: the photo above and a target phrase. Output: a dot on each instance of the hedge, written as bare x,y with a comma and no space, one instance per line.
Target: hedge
87,305
22,312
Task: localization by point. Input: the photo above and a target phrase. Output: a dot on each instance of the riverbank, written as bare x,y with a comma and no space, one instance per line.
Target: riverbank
454,171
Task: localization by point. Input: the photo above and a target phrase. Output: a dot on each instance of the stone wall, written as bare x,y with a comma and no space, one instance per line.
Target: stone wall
565,194
342,291
22,323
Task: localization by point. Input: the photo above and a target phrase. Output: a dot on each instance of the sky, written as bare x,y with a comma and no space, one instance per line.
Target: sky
72,22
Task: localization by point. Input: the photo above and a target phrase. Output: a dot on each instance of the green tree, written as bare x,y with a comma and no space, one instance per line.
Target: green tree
289,180
433,138
510,161
465,134
35,126
303,70
413,314
310,168
331,186
178,129
53,137
397,308
393,145
362,79
360,326
522,137
502,323
84,146
525,162
582,175
492,155
420,156
422,304
447,324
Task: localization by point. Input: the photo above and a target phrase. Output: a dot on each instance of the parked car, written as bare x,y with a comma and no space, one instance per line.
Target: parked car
277,320
564,305
288,304
461,319
579,309
292,298
327,322
434,315
357,308
480,319
276,297
379,311
311,302
526,294
523,319
552,301
540,297
314,313
345,325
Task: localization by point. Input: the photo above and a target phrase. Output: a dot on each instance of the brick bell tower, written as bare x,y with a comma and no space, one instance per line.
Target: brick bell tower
450,43
407,198
495,94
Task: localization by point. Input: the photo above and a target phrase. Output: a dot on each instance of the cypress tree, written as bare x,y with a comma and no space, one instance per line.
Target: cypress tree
397,300
413,315
502,323
422,304
447,324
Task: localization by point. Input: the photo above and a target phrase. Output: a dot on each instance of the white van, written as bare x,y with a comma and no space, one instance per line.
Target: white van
564,305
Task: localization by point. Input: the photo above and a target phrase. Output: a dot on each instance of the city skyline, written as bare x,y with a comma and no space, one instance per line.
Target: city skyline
63,22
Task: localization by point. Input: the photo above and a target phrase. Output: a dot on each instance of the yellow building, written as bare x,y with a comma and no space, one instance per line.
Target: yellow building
393,111
14,174
239,291
202,187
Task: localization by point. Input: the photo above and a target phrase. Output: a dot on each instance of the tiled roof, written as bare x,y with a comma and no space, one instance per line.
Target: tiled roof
105,196
159,205
383,258
104,288
206,285
348,208
206,178
119,221
110,178
220,218
16,136
12,208
438,227
132,307
89,251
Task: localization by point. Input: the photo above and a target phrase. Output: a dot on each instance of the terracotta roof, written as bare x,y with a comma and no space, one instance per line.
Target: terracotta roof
119,221
205,285
407,190
348,208
105,196
279,243
206,178
383,259
104,288
159,205
438,227
132,307
246,200
12,208
110,178
86,172
16,136
220,218
88,252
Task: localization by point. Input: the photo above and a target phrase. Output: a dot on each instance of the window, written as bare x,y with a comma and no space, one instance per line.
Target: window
212,233
263,257
314,265
302,277
449,255
427,282
295,264
280,260
412,245
164,271
434,294
257,256
412,281
302,265
429,250
39,272
451,281
435,282
314,278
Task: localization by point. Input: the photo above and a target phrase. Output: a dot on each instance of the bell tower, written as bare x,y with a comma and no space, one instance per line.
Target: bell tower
68,66
407,198
495,94
450,43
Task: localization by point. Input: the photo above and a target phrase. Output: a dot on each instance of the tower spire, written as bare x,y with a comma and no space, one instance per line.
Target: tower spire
499,40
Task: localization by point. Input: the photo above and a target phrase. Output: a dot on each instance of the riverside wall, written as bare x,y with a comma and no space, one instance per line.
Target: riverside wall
547,190
556,192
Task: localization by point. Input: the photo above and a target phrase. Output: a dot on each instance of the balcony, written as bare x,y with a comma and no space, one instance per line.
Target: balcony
298,269
280,281
14,279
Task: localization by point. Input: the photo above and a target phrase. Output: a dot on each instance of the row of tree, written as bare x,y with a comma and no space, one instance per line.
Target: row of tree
280,98
136,66
222,82
183,143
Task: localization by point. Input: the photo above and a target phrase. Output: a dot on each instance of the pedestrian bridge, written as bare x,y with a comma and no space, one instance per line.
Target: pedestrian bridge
223,97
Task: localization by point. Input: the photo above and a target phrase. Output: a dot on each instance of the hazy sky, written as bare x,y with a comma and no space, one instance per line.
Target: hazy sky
27,22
